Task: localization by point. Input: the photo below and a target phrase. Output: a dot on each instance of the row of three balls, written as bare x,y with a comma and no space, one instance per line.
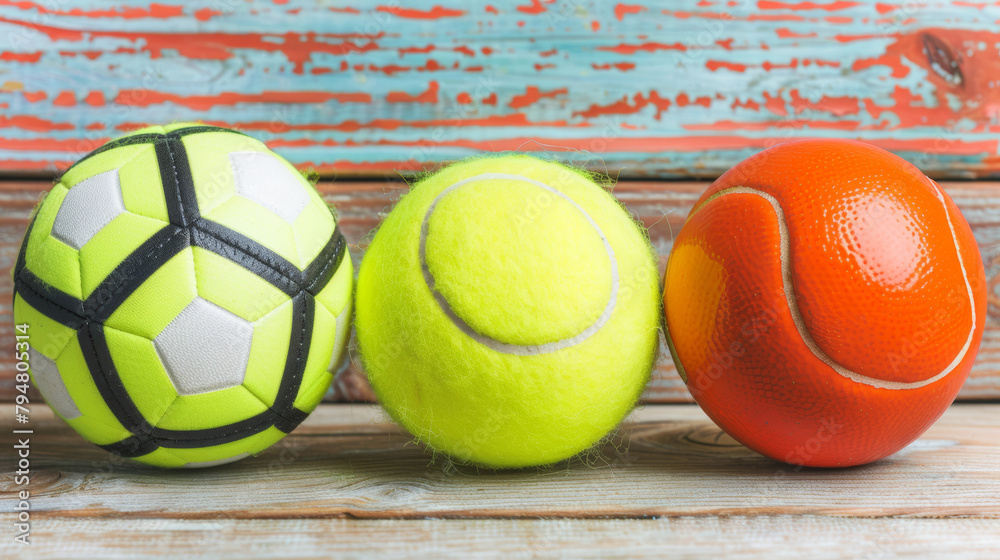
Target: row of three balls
186,293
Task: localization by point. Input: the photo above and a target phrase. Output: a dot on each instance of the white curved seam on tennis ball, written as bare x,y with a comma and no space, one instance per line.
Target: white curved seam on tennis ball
505,347
965,276
793,306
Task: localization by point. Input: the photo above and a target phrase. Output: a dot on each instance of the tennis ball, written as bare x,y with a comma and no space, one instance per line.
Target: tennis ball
507,312
182,292
825,301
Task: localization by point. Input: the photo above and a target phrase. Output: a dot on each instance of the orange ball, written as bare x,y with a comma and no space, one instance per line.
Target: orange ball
824,302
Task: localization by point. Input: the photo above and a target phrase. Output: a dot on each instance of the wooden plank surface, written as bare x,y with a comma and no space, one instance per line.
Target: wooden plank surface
662,207
730,537
347,461
682,88
348,482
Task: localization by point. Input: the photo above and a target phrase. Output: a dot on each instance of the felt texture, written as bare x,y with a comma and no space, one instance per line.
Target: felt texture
519,266
185,234
498,291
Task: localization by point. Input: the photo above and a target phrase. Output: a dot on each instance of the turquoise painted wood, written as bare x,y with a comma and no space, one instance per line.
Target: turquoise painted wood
679,88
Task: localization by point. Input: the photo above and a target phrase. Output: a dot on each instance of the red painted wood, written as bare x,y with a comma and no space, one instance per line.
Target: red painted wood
678,89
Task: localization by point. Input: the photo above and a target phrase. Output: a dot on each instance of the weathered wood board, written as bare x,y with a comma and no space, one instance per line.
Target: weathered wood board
348,484
774,537
679,88
661,206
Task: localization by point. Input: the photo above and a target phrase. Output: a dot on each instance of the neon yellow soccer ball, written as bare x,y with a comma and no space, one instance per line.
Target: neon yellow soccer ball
185,292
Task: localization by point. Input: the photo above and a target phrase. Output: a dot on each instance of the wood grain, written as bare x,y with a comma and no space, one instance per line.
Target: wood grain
731,537
677,89
346,462
661,206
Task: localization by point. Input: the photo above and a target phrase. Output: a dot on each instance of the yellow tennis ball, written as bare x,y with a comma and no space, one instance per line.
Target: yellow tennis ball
507,311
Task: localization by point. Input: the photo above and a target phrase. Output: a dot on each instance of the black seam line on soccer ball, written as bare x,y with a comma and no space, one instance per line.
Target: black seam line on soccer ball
150,257
135,269
132,446
97,355
267,264
175,173
282,414
104,299
145,438
200,128
322,269
178,187
300,338
139,445
144,138
54,304
133,272
66,310
182,207
150,137
179,193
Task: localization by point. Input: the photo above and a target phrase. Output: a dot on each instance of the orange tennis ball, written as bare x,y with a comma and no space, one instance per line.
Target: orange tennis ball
824,302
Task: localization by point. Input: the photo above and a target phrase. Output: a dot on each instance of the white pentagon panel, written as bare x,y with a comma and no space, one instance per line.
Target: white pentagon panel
50,383
205,348
260,177
90,205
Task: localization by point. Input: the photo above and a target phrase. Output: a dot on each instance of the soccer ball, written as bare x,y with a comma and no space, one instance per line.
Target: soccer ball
185,292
